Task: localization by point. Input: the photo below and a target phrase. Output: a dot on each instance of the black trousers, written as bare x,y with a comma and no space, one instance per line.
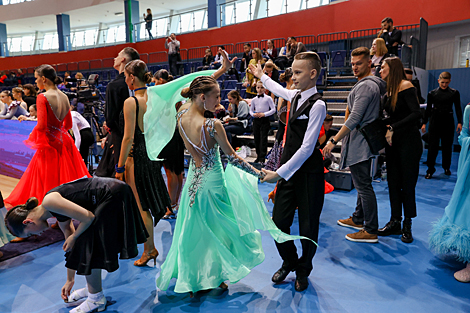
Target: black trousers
261,128
115,140
86,141
366,205
235,129
305,192
173,63
402,172
441,128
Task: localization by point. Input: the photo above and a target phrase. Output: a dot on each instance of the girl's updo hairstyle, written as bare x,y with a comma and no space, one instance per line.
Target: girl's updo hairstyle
163,74
284,77
138,68
15,217
48,72
200,85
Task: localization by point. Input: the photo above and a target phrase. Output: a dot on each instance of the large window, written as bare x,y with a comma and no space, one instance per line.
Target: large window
464,53
6,2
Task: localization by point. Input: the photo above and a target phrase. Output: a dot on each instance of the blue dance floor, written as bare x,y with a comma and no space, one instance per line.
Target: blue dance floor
390,276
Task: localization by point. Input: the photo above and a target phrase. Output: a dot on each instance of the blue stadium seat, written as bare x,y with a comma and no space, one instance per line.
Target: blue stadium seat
230,84
195,65
321,81
338,58
224,93
186,68
323,58
243,93
224,103
239,86
221,78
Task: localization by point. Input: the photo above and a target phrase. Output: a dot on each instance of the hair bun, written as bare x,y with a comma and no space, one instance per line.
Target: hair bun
147,77
57,80
31,203
186,93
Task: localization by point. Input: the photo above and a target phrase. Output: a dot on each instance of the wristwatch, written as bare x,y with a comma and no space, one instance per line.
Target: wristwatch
333,141
390,128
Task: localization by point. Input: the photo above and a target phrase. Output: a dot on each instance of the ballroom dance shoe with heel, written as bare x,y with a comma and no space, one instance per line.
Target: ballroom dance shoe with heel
146,257
391,228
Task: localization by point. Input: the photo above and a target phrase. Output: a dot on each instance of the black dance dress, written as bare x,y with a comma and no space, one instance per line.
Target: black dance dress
116,229
173,154
149,182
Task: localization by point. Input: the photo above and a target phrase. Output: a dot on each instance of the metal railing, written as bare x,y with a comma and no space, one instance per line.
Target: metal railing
197,52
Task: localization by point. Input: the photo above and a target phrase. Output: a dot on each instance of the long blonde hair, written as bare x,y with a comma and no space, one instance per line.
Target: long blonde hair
259,55
381,47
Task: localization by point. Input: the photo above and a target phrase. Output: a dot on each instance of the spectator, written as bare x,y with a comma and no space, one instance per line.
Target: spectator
329,132
206,61
272,71
293,48
67,75
271,50
20,76
415,82
14,108
378,52
218,60
404,148
148,22
262,107
281,59
240,122
17,94
391,36
3,78
441,123
30,94
82,134
173,47
250,79
33,114
246,57
364,107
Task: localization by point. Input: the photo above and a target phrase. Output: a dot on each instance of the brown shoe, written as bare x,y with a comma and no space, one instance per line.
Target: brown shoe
362,236
349,223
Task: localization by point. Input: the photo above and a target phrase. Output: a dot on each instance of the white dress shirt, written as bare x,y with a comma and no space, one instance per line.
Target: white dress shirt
263,104
78,123
316,117
219,58
172,46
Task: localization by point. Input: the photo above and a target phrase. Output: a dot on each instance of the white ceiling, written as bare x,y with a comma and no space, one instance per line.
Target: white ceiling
101,13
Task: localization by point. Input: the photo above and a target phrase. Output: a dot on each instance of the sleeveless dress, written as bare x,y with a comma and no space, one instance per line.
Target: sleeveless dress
149,182
451,234
56,161
116,229
215,237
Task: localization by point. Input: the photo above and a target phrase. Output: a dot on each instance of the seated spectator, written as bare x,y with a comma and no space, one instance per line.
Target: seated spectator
250,79
272,71
271,50
33,114
294,48
281,59
239,122
30,94
391,36
218,60
14,109
3,78
378,53
61,85
17,93
206,61
20,76
329,131
264,54
246,57
219,112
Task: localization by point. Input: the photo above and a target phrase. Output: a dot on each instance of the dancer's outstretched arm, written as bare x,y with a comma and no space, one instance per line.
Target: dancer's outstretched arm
225,65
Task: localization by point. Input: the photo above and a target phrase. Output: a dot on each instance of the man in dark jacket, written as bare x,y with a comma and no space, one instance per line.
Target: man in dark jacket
391,35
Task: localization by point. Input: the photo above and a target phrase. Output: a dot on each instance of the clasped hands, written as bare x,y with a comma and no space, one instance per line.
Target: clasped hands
270,177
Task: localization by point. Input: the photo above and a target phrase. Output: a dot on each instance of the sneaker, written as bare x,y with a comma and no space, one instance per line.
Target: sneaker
349,223
362,236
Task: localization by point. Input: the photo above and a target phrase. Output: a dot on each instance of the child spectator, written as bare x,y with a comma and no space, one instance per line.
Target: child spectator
271,50
33,114
14,108
17,93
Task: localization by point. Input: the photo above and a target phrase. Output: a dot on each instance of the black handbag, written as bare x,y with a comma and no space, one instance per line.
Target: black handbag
374,133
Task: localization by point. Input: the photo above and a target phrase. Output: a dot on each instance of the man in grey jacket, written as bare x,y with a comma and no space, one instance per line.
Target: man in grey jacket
364,108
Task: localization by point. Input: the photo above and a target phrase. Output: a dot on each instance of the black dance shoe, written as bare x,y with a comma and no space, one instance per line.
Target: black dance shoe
301,283
280,275
447,172
391,228
407,237
429,174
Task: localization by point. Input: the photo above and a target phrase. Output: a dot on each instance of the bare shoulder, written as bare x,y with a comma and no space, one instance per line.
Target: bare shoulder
405,84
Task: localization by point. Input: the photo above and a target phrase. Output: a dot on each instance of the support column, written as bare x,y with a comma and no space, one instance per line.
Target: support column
132,19
213,14
173,23
3,40
63,32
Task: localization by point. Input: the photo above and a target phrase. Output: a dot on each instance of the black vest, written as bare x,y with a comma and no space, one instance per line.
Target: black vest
296,129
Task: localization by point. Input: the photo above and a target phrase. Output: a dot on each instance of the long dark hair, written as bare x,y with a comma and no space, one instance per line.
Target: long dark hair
395,75
16,216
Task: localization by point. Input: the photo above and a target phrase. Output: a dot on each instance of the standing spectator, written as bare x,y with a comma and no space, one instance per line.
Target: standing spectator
148,22
404,147
239,121
17,94
364,107
206,61
378,52
250,79
116,93
441,123
262,107
219,60
173,47
293,48
82,134
391,35
246,57
271,50
30,94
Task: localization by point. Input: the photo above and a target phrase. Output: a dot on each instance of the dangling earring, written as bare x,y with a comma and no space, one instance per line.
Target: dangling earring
205,106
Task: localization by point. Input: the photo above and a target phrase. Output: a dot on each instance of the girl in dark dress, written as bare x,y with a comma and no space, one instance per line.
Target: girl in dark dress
110,227
143,175
404,147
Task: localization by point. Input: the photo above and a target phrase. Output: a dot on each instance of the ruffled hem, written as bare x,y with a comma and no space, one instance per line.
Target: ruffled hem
447,237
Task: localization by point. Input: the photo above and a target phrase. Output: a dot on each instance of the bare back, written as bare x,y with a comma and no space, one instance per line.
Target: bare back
59,103
142,109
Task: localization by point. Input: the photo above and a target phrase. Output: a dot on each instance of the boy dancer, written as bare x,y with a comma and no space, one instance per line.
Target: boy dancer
301,175
262,107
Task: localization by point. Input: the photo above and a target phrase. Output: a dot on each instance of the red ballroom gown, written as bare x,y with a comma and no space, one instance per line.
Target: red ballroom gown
56,161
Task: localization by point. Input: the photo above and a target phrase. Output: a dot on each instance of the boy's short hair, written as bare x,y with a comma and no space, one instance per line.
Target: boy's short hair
260,82
444,75
312,58
364,51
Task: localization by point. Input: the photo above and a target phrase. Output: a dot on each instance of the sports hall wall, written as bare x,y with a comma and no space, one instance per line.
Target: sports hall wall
335,17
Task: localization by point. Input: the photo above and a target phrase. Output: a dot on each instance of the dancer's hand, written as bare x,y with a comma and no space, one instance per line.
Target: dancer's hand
69,243
226,64
459,128
423,128
271,177
388,137
120,176
65,293
256,70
